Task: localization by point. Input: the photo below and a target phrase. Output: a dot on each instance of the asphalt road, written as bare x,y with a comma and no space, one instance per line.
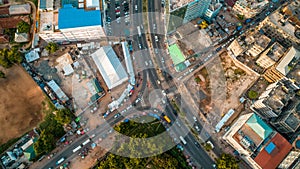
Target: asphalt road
67,152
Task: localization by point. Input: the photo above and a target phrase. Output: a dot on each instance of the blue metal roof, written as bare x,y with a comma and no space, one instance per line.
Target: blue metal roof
71,17
270,147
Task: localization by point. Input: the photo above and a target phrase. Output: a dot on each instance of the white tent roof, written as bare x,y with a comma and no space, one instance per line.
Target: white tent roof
57,90
109,66
68,70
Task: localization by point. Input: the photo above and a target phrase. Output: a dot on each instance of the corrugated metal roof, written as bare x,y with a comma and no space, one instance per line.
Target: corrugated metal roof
70,17
259,126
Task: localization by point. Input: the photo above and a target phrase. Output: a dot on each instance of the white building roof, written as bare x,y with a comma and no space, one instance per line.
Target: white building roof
27,144
283,67
224,120
109,66
68,70
57,90
19,9
32,55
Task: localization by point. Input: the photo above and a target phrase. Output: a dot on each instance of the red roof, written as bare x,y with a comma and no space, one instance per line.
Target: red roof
230,2
272,160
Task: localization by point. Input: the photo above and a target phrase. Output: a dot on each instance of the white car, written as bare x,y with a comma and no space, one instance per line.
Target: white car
136,8
154,26
140,46
156,38
146,63
195,119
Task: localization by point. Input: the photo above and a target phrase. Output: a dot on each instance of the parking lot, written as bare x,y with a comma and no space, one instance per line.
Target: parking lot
117,16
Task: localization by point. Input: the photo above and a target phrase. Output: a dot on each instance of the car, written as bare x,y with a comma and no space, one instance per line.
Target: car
154,26
156,38
156,51
268,13
140,46
197,128
195,119
136,8
126,13
197,144
117,115
146,63
142,27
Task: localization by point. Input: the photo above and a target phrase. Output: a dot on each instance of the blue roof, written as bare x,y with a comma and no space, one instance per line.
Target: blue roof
270,147
70,17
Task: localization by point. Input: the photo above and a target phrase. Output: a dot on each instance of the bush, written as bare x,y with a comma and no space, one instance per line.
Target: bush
2,75
52,47
23,27
252,94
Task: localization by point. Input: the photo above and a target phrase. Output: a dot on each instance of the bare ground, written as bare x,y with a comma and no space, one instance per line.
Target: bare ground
20,103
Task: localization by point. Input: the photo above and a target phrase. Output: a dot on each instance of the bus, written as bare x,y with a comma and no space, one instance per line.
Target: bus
76,149
167,119
60,161
86,142
139,31
182,140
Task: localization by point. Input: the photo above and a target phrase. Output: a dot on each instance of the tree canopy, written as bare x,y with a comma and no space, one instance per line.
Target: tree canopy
227,161
171,159
9,56
51,47
23,27
64,116
2,75
252,94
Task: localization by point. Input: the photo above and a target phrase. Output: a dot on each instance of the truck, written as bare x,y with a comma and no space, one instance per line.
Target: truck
60,161
182,140
139,31
76,149
86,142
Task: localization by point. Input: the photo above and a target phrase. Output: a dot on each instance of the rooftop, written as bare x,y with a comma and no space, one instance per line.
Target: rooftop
71,17
293,121
288,61
174,4
252,133
293,10
46,4
274,152
20,9
109,66
287,26
252,4
46,22
276,51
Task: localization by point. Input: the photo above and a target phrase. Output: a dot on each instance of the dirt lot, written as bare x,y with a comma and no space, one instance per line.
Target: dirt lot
20,103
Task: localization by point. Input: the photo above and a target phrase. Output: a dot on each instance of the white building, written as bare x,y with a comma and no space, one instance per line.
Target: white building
109,66
249,8
73,25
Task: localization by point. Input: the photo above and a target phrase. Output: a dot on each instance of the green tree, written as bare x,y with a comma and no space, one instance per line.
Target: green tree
10,56
52,47
252,94
227,161
23,27
64,116
2,75
240,17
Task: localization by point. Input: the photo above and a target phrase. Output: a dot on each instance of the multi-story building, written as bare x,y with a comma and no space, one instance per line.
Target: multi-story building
252,45
213,10
249,8
289,160
271,56
287,62
282,27
272,101
183,11
289,120
71,24
257,143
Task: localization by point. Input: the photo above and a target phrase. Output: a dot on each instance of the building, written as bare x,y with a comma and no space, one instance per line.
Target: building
256,43
271,56
32,55
280,28
57,90
183,11
289,160
71,25
20,9
253,44
292,10
249,8
272,101
288,61
257,143
109,66
289,120
213,10
46,5
21,37
196,9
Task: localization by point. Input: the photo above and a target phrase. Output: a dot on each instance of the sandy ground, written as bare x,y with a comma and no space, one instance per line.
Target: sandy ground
20,103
